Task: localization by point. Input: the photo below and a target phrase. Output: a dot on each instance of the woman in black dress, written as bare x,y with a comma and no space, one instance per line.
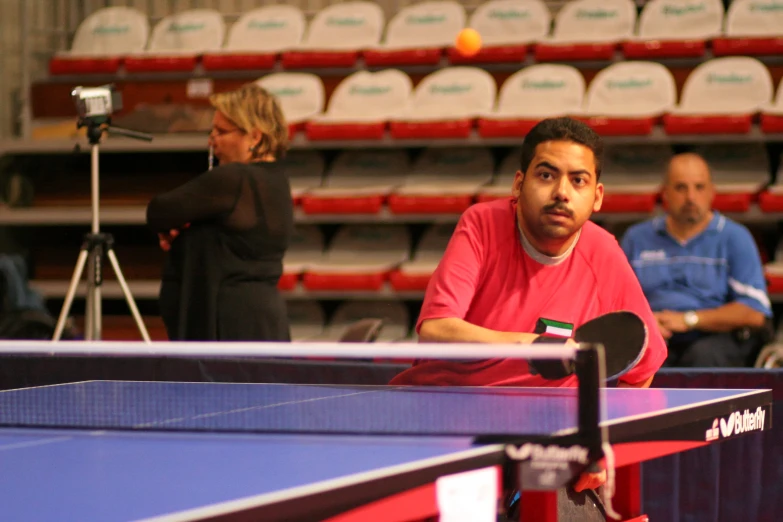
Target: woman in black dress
226,231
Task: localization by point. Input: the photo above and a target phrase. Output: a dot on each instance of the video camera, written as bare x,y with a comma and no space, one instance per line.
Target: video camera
95,105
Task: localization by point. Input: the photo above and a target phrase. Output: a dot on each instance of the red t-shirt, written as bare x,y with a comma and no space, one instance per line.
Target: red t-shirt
488,279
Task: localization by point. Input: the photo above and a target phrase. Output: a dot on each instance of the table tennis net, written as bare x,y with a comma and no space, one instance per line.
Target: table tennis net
287,408
262,395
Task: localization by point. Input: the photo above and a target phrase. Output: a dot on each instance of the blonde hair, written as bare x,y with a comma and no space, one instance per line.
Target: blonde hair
253,107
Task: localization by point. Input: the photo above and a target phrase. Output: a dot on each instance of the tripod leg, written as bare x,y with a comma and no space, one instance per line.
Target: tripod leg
77,275
97,319
128,297
93,319
90,315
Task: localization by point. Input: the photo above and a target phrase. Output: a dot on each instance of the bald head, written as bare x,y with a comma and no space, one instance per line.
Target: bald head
687,164
688,190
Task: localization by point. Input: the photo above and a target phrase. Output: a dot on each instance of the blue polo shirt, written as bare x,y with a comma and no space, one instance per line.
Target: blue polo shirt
718,266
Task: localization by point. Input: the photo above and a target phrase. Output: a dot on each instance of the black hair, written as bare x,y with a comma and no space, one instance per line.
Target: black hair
562,129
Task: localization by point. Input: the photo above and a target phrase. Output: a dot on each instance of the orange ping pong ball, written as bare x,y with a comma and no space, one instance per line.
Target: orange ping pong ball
468,42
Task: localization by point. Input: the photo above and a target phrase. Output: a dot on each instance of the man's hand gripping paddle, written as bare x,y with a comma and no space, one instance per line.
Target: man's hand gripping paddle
623,335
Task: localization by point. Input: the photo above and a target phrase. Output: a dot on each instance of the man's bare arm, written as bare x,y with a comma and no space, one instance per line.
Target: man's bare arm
454,330
724,318
729,317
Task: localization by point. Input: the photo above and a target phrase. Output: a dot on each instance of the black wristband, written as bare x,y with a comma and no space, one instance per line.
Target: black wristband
551,369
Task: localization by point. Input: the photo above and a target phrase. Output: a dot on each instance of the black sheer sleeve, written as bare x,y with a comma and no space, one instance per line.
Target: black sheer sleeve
211,195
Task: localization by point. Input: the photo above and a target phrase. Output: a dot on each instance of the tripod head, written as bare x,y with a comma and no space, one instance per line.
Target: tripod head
95,130
95,106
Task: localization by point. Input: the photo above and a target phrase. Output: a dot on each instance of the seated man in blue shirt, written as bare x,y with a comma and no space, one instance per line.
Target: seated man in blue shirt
701,272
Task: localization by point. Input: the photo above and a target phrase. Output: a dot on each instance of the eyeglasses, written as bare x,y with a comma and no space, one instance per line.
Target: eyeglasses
222,132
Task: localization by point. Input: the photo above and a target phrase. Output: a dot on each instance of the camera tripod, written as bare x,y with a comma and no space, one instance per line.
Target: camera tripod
94,247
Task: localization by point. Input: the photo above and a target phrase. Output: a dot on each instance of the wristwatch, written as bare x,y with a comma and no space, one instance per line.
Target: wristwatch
691,319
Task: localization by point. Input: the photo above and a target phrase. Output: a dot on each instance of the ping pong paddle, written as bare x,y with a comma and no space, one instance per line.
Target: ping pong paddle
623,335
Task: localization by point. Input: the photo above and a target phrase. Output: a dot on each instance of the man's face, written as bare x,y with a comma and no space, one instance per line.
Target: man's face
688,191
559,191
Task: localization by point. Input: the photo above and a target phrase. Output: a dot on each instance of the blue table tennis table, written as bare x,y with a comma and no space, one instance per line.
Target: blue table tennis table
164,451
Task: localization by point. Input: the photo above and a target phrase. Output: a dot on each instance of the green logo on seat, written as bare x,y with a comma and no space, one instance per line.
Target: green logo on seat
766,6
729,78
454,88
266,24
543,84
630,83
183,28
509,14
425,19
674,10
111,29
596,14
344,22
287,91
369,90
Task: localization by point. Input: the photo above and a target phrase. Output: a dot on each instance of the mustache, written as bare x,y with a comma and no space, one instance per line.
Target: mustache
559,207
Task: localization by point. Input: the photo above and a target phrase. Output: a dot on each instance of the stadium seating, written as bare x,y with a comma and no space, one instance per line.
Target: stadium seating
739,171
337,35
771,199
301,96
771,119
507,28
446,104
360,257
632,177
102,42
588,30
306,248
257,38
178,41
675,29
502,181
443,181
751,29
305,170
358,182
418,34
362,106
531,94
628,98
307,319
394,315
415,274
721,95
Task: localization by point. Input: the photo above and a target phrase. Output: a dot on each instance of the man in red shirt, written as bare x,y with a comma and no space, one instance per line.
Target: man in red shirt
517,267
530,264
